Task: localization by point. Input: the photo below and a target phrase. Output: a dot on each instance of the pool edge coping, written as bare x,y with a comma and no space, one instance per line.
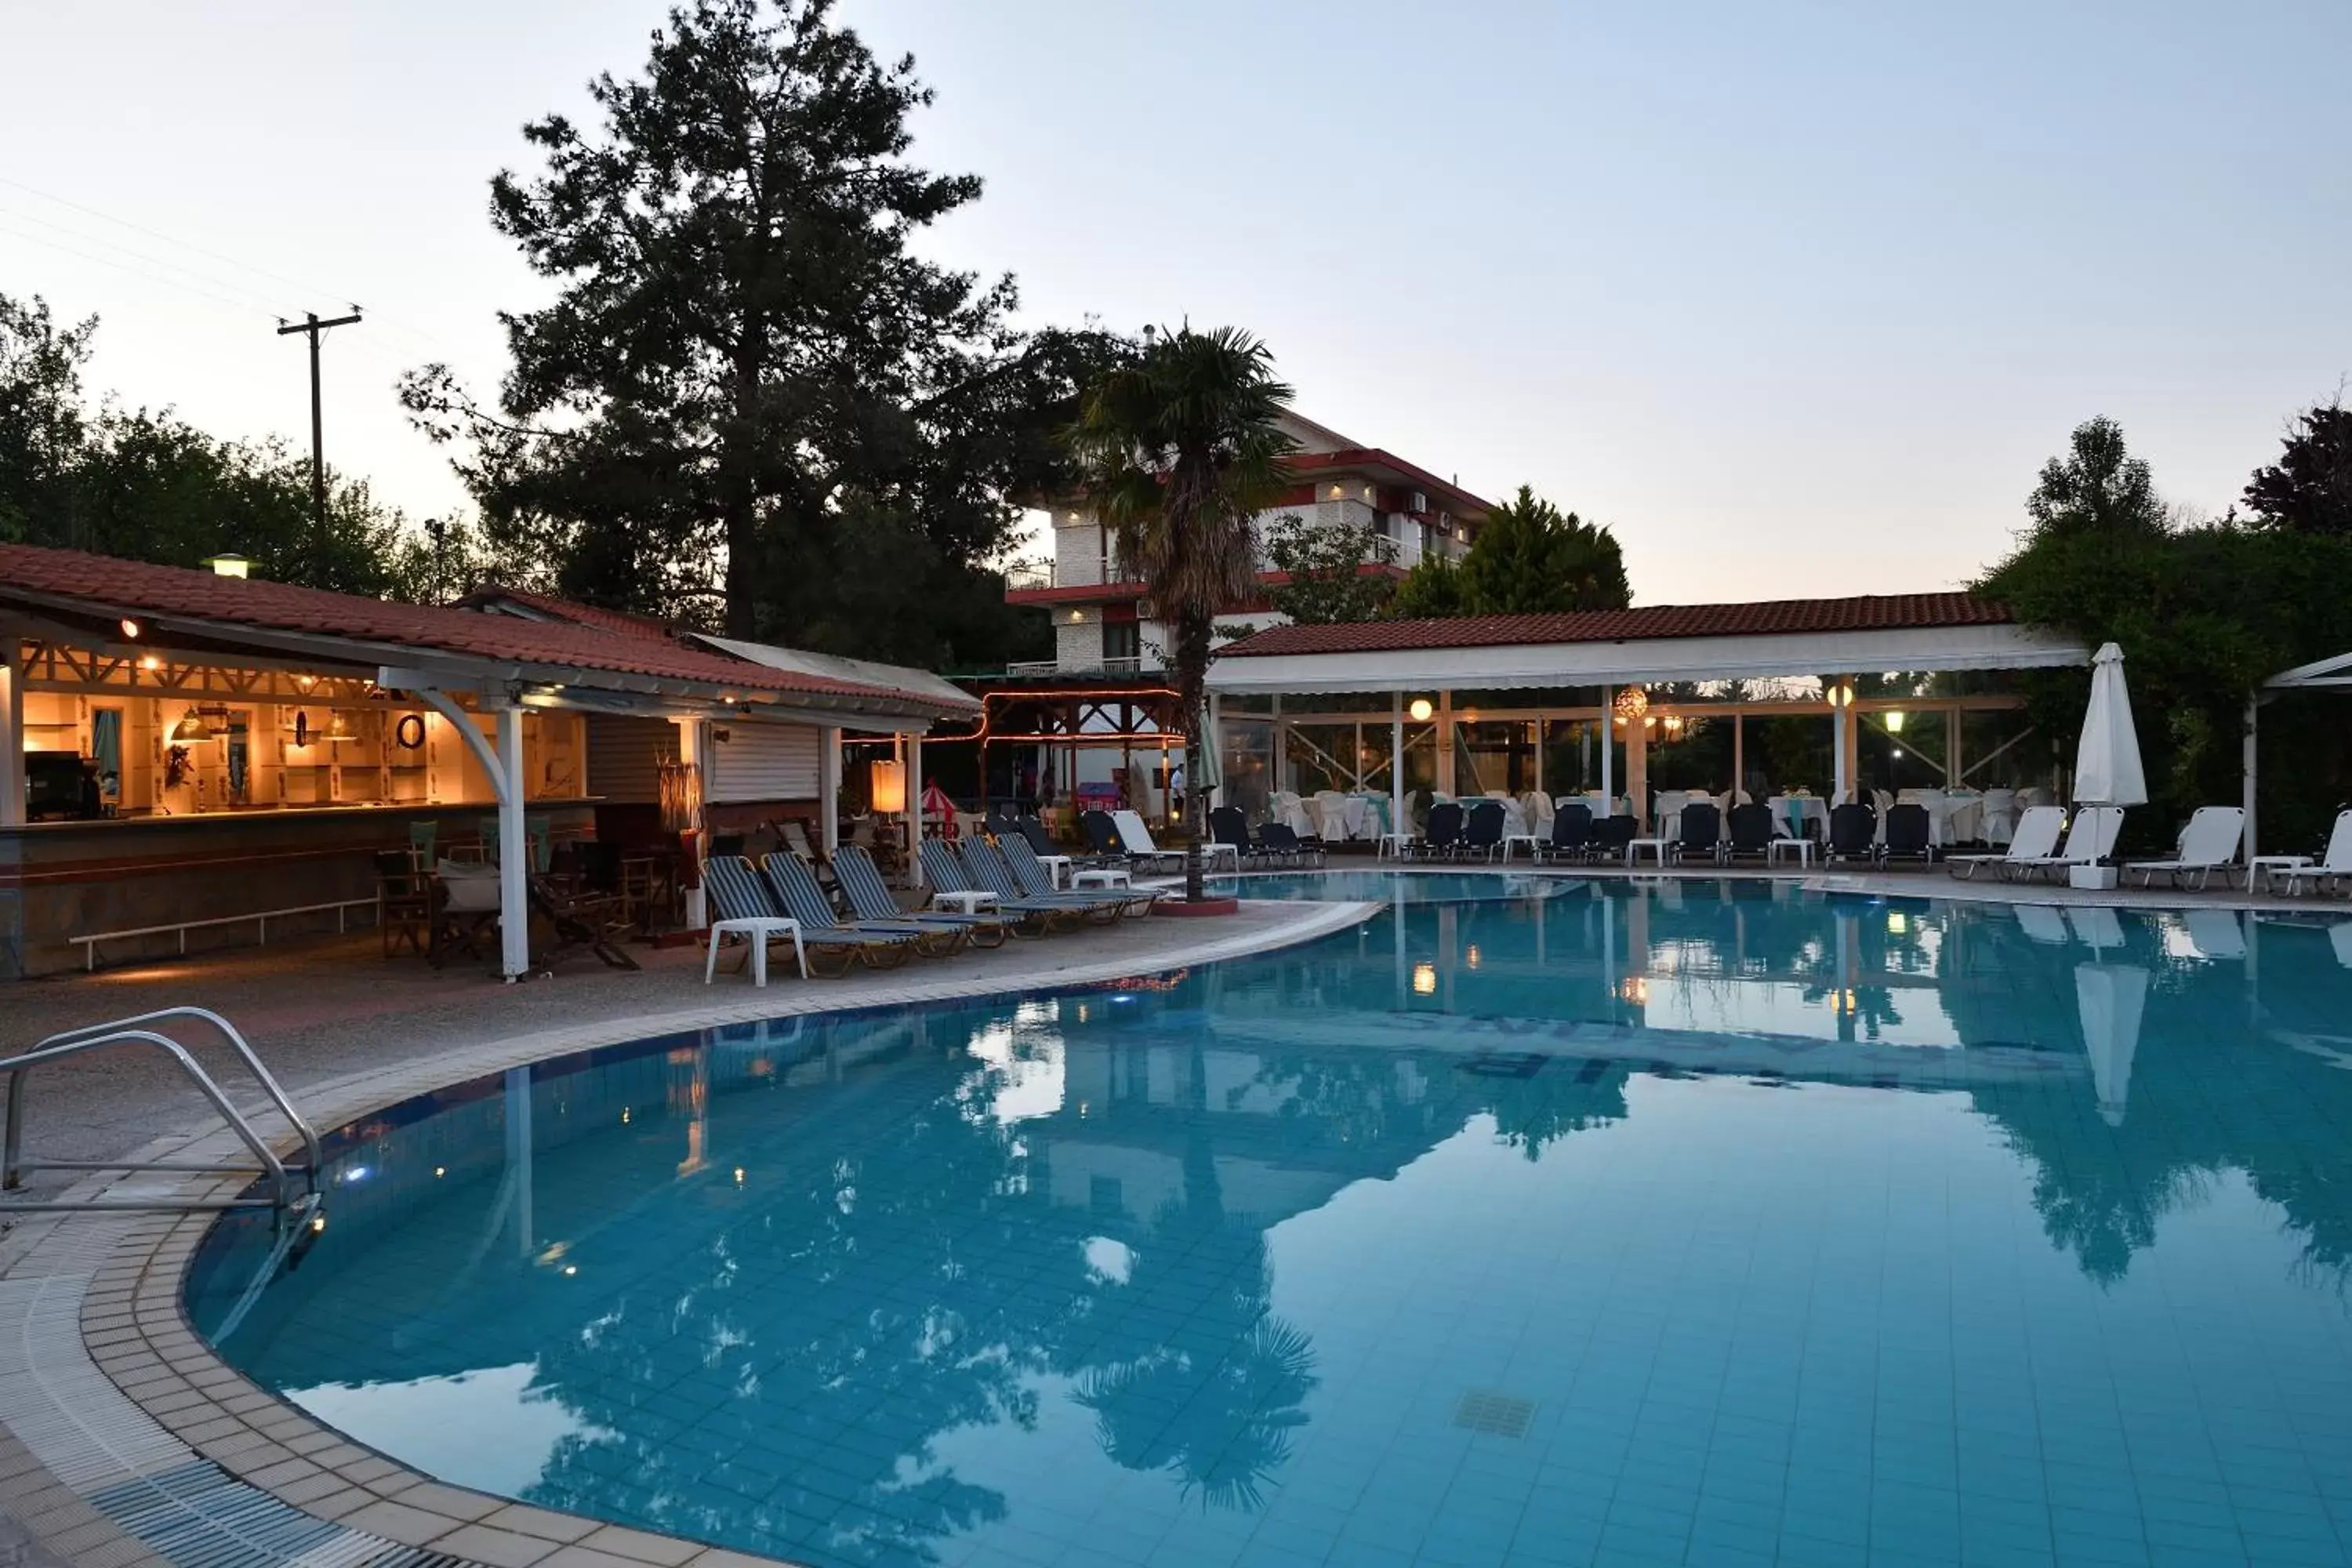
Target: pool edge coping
131,1326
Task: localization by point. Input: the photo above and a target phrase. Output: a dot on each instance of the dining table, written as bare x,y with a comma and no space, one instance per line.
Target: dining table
1800,816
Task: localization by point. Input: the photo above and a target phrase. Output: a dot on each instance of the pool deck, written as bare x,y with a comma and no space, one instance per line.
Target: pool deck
124,1442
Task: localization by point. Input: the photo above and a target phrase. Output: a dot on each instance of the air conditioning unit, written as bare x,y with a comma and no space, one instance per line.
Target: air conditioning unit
1420,501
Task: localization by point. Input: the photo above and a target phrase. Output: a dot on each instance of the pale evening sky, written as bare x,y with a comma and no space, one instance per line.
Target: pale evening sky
1798,298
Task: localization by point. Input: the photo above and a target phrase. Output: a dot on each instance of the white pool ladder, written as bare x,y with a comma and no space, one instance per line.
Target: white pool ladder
279,1185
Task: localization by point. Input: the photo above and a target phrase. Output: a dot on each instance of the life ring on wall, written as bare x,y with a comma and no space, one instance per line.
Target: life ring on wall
409,739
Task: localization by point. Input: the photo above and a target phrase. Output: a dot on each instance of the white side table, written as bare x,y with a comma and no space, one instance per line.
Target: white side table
1533,841
1657,846
1102,876
972,901
2263,869
1392,846
1057,867
759,930
1803,847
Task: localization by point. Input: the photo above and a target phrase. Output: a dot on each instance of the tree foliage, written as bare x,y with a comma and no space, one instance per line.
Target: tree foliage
1529,558
1181,448
147,486
2098,488
748,384
1330,571
2309,488
2203,614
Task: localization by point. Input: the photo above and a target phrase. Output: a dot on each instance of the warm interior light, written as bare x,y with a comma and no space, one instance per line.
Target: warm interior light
1424,979
1632,703
1077,617
192,728
149,661
227,565
1337,491
1840,695
1895,723
338,727
889,786
1420,710
1471,956
130,629
1895,923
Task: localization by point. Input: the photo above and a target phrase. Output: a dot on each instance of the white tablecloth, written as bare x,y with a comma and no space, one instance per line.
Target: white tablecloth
1816,812
1344,816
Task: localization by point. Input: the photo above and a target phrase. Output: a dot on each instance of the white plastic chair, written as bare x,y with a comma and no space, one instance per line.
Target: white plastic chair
2209,844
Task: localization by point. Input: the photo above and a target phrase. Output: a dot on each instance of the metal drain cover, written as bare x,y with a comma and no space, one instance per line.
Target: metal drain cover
1496,1414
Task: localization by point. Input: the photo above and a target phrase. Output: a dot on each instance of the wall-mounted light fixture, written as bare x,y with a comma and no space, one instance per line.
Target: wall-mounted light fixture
888,788
1420,710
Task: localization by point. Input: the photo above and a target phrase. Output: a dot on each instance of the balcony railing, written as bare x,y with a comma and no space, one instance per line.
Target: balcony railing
1130,663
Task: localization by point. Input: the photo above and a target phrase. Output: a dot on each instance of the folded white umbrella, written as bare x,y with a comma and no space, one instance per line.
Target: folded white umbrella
2107,768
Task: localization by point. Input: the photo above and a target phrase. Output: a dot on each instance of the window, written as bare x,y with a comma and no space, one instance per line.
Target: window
1122,639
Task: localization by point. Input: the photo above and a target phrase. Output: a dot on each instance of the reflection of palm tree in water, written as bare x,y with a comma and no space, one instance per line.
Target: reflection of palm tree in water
1213,1404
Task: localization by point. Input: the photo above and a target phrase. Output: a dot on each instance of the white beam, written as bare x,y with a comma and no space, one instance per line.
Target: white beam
514,850
1648,660
915,809
12,730
828,789
1396,763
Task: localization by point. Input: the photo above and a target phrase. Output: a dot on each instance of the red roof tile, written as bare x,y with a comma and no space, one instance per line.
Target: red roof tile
112,586
1772,618
619,622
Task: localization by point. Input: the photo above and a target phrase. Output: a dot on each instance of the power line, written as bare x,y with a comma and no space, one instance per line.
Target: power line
137,271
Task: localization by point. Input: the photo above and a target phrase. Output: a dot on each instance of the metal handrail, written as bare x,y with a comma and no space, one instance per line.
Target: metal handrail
92,1037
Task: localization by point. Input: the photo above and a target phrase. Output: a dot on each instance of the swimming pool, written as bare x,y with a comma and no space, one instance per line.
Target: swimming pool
1544,1224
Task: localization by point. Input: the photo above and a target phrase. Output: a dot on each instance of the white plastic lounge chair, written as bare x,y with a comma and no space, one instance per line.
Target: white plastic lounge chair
2209,844
2335,865
2090,839
1136,839
2036,836
2339,937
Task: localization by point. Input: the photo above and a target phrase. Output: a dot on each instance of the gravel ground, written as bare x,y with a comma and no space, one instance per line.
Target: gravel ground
322,1010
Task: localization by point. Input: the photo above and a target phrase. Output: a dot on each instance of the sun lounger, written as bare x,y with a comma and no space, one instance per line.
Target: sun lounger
945,870
742,904
2335,865
2090,838
2209,844
1024,876
2044,923
869,899
2035,837
796,887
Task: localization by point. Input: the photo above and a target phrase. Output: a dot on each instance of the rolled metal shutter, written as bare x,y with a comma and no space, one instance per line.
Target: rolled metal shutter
761,762
624,756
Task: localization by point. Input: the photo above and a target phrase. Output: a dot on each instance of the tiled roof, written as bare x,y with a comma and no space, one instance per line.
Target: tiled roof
114,587
1771,617
619,622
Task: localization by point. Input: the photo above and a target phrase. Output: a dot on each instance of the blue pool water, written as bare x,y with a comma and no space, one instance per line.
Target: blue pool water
1557,1224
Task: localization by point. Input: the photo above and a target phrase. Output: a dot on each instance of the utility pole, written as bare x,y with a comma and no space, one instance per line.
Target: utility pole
312,326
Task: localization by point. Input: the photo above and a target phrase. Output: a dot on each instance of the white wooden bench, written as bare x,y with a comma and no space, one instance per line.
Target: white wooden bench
182,928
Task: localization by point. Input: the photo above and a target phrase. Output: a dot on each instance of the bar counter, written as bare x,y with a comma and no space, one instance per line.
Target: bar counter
63,880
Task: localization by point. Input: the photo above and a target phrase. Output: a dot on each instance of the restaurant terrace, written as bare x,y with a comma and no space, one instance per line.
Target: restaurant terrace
1826,696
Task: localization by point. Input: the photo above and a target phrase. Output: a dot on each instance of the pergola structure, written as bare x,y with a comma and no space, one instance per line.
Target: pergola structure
2323,674
1812,652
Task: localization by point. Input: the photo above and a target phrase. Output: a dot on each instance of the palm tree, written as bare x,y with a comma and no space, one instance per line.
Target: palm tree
1181,450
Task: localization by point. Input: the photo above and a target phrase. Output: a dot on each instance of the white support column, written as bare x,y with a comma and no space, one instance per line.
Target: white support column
1396,762
1954,773
1607,751
828,788
915,810
518,1157
12,729
514,850
2248,764
1739,755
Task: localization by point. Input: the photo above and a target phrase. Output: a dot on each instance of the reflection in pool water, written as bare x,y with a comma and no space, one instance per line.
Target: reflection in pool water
1698,1218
